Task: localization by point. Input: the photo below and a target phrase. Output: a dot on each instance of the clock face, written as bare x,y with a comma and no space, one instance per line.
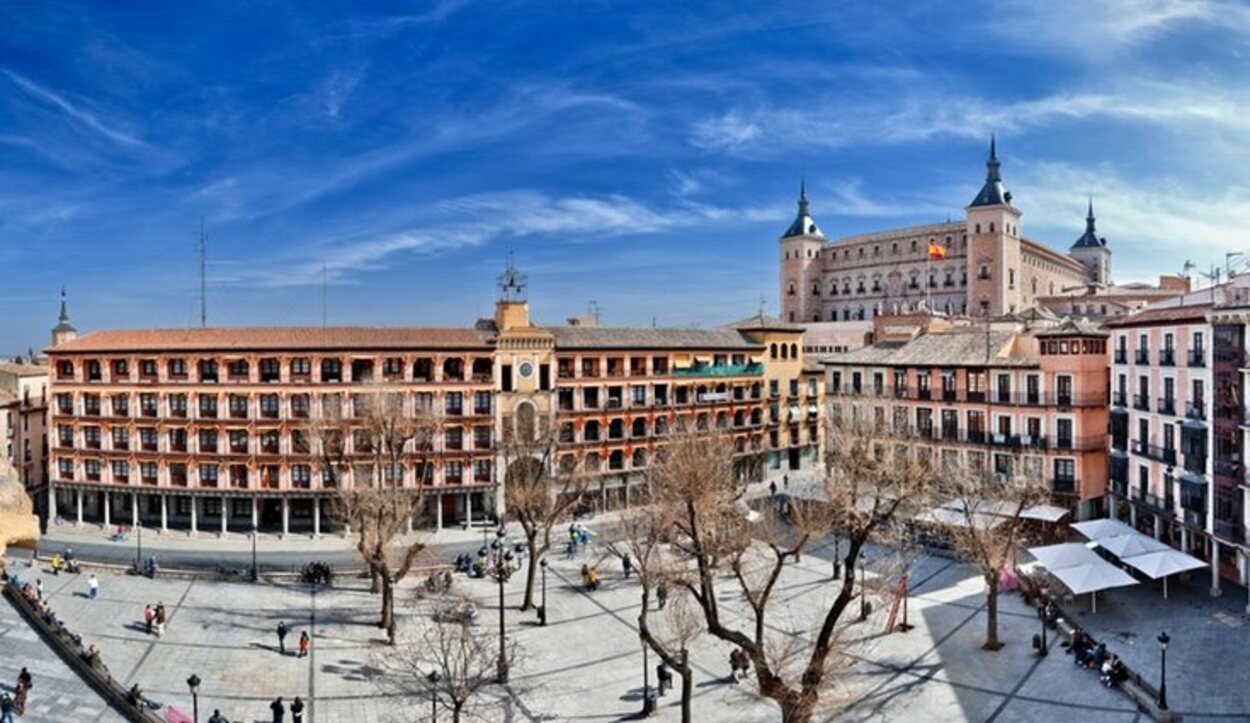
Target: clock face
526,370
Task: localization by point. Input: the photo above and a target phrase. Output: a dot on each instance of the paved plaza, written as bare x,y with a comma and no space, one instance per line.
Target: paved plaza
587,663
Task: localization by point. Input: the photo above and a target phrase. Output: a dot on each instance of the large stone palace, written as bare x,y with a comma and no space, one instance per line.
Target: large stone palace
982,265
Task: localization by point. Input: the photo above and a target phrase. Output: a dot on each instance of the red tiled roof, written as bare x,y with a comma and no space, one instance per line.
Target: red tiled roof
1169,315
308,338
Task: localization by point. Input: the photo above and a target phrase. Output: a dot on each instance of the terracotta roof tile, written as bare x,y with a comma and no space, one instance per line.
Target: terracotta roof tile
276,338
606,337
1168,315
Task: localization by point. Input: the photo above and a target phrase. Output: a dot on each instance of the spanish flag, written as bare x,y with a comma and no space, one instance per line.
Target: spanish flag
936,251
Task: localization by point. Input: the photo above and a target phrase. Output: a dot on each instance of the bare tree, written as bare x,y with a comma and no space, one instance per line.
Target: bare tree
447,665
376,441
986,523
671,629
539,492
870,486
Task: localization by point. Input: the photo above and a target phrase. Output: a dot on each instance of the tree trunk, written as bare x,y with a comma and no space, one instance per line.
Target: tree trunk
687,692
991,617
455,712
528,602
388,603
375,586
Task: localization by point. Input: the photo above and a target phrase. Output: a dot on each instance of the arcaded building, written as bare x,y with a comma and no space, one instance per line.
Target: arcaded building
207,429
980,265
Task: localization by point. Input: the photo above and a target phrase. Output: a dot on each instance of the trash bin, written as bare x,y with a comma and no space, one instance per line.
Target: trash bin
648,702
542,614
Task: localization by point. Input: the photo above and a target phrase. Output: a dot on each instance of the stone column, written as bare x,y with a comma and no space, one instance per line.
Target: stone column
468,508
1215,568
316,517
1132,515
225,515
1158,528
195,519
106,506
409,524
286,517
164,513
134,509
78,499
1184,539
255,514
438,513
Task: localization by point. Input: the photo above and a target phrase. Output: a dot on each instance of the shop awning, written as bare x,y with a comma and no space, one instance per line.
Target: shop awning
1098,529
1093,577
1064,555
1127,546
1162,563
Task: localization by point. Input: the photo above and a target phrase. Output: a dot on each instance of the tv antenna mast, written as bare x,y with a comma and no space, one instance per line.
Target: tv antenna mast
203,275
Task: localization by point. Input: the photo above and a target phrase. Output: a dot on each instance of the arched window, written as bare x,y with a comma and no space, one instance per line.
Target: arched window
784,351
616,460
639,459
978,228
722,420
772,351
794,351
991,227
525,422
661,426
590,433
638,428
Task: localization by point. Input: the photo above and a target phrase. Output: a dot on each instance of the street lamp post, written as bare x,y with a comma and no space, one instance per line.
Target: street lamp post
433,677
542,610
503,558
1164,639
255,572
138,548
1041,615
194,684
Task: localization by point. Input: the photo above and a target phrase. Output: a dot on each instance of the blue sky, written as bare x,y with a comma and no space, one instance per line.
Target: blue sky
641,155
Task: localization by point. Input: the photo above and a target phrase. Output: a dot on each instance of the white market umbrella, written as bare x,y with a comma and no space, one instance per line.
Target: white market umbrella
1098,529
1127,546
1163,563
1045,513
1064,555
1093,577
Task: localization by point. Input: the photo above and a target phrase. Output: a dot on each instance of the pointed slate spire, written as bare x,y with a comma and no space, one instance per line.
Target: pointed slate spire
1089,239
992,193
803,224
64,317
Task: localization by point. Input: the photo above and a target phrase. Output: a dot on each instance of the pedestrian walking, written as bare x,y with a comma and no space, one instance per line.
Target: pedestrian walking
19,700
160,619
585,575
282,637
661,595
217,717
304,642
24,678
785,481
6,709
592,579
93,587
39,589
297,710
149,615
772,488
279,709
152,566
627,564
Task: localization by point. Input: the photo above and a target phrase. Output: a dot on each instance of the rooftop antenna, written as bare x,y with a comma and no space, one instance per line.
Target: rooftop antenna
1228,263
1214,276
323,294
763,304
203,276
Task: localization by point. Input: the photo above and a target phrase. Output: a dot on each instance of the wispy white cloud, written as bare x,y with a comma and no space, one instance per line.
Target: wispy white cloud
848,198
338,88
1096,30
918,115
84,117
1152,225
479,219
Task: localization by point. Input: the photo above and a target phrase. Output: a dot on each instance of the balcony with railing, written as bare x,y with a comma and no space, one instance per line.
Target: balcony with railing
1063,485
1197,357
1163,506
1121,356
1196,410
1166,405
1141,402
1158,453
1142,356
1167,357
1229,530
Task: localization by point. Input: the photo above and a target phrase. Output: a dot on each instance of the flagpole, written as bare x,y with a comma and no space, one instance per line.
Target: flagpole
928,282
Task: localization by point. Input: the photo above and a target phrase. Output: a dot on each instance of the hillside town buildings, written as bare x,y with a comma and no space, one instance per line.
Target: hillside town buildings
205,429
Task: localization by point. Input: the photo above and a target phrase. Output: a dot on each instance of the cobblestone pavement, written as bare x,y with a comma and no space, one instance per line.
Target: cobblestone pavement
586,664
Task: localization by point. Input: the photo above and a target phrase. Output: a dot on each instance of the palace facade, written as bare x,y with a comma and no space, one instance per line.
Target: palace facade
982,265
